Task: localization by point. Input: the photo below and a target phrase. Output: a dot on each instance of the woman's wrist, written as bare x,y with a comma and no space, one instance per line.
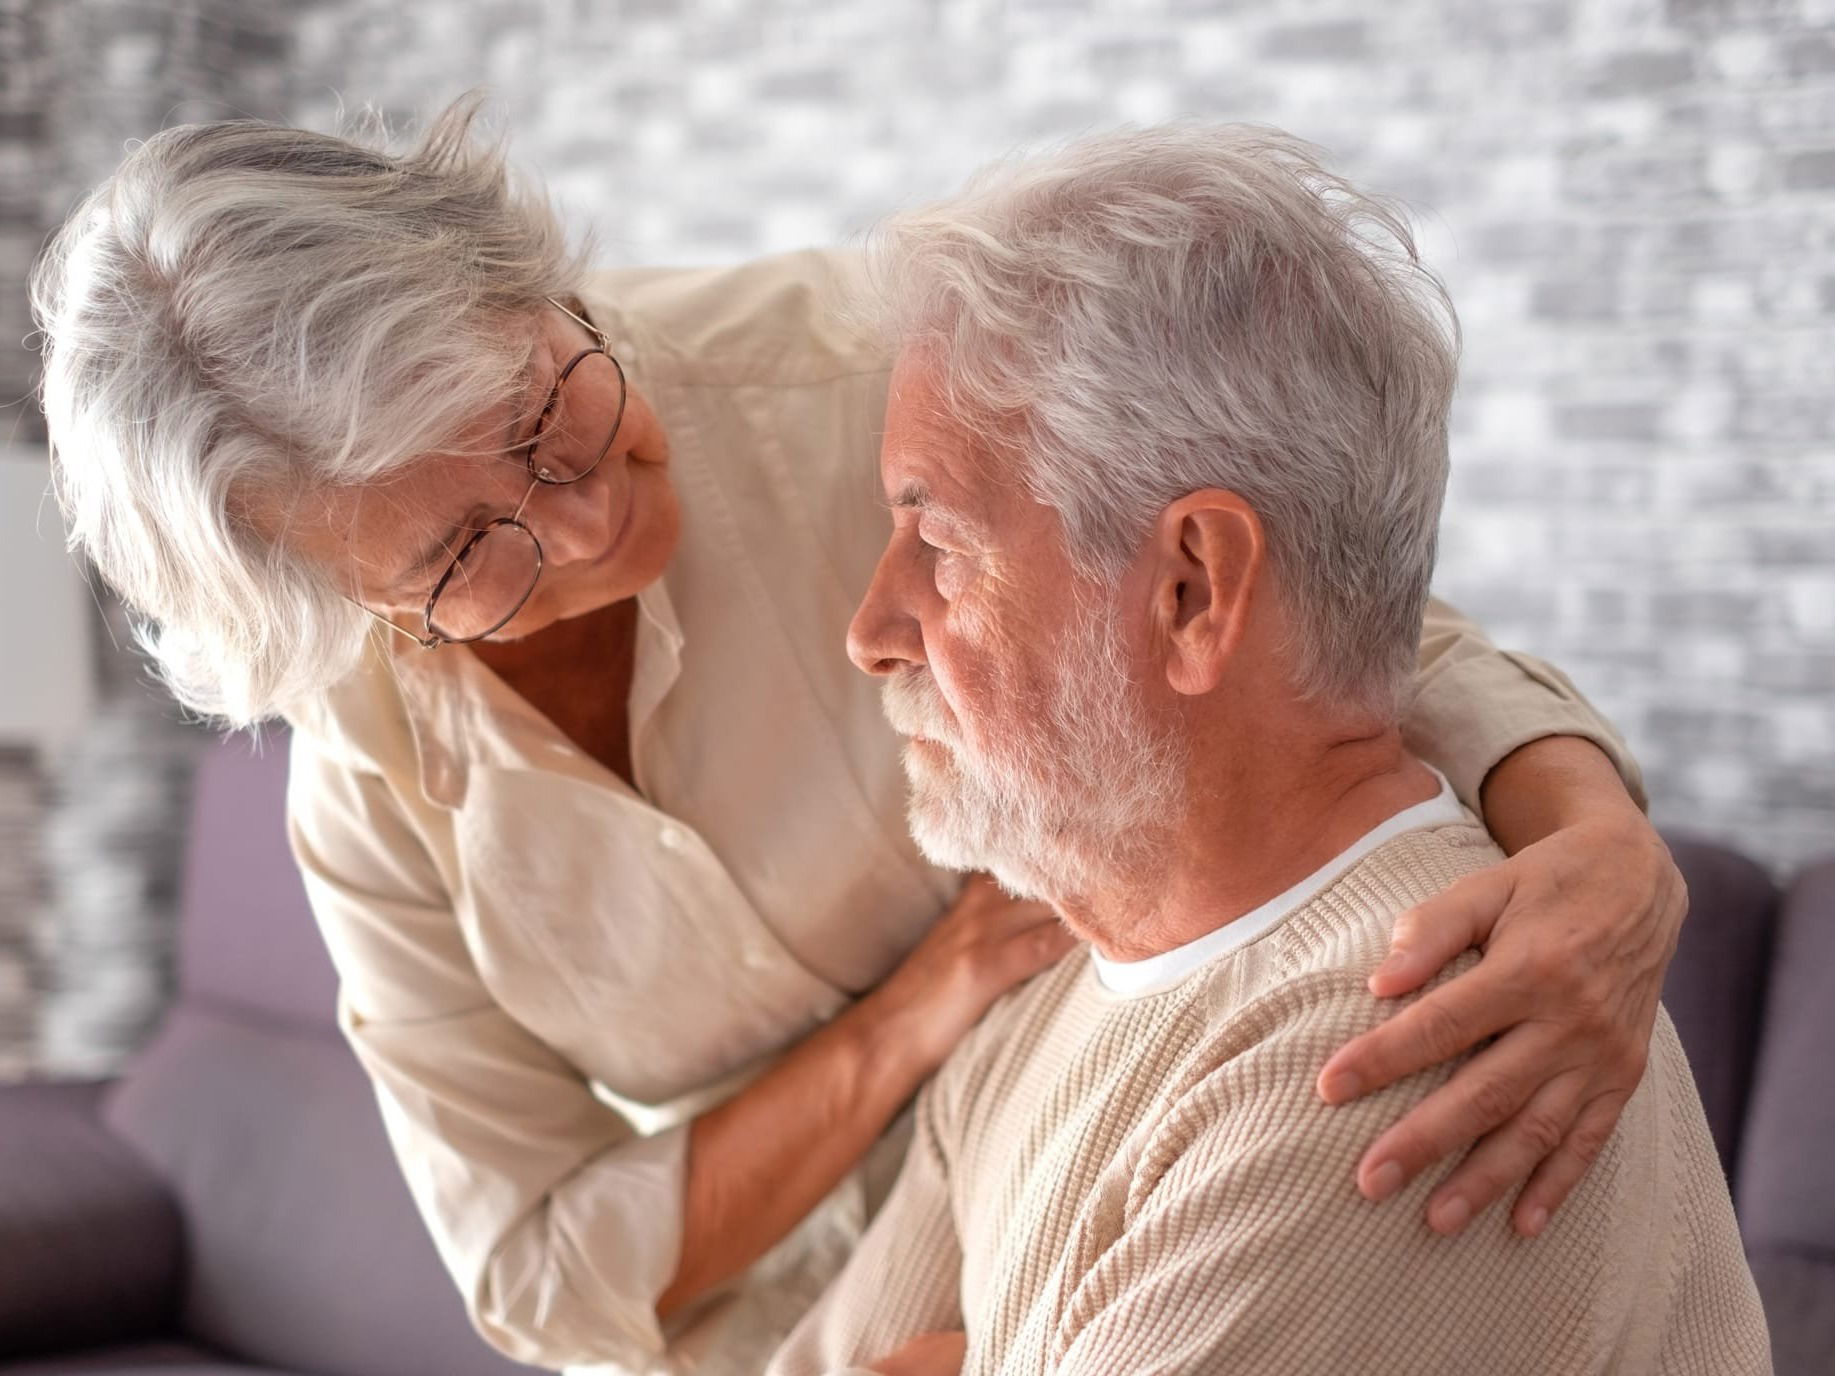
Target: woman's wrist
760,1161
895,1042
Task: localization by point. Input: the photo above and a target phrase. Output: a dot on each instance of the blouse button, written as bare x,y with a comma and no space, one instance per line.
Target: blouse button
670,837
753,958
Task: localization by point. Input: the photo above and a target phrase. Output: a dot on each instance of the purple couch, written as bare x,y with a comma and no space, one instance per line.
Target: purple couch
229,1204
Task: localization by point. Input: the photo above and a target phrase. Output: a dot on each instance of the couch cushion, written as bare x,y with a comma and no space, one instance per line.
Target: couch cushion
1715,989
89,1235
141,1359
246,934
305,1251
1786,1175
1799,1294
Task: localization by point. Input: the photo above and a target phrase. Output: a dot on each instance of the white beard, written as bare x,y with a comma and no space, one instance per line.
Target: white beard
1077,796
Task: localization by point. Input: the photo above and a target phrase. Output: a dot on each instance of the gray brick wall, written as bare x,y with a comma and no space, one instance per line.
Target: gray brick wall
1633,202
90,842
21,812
24,155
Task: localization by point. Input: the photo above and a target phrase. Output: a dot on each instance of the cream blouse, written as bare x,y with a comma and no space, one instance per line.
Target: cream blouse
547,973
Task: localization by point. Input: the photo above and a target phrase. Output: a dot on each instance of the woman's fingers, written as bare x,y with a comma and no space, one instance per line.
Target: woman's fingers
984,945
1556,1177
983,905
1020,937
1576,931
1430,934
928,1354
1507,1155
1486,1092
1451,1019
1037,947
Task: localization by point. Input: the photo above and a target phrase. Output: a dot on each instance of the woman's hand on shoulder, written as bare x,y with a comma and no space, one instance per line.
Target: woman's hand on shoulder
984,945
1577,930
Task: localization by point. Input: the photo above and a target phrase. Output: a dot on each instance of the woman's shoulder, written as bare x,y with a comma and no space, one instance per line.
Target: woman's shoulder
786,320
361,721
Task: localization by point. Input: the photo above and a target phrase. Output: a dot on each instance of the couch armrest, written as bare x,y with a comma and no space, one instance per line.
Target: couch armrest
90,1240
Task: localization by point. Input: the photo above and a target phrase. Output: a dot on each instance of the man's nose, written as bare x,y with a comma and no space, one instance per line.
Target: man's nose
884,635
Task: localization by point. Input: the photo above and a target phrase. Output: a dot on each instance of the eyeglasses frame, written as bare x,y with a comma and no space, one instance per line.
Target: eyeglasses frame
431,639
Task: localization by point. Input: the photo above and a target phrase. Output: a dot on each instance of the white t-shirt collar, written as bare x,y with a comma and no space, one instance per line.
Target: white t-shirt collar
1156,974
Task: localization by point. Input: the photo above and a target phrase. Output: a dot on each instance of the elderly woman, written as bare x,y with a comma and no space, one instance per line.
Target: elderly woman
551,574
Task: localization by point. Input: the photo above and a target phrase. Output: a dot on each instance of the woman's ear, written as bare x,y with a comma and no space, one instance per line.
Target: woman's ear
1210,550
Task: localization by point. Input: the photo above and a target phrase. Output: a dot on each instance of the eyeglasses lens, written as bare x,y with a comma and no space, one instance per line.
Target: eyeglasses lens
574,438
488,585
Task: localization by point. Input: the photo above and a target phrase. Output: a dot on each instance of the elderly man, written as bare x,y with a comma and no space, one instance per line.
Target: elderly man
1166,451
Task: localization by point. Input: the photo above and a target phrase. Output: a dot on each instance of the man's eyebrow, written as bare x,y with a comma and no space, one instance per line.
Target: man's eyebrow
912,496
915,495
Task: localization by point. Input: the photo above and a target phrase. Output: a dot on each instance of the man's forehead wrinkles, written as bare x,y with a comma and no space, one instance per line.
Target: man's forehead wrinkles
926,462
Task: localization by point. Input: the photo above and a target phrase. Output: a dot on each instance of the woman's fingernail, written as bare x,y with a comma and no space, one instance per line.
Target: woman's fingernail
1451,1216
1385,1180
1341,1086
1534,1221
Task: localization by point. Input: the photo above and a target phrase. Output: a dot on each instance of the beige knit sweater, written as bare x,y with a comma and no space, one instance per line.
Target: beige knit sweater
1111,1186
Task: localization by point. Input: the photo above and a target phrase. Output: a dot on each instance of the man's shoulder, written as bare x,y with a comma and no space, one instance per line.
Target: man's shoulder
1260,1025
993,1057
1315,964
788,319
1346,926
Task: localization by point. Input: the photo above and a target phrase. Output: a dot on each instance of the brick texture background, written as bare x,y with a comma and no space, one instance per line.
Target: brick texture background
1633,202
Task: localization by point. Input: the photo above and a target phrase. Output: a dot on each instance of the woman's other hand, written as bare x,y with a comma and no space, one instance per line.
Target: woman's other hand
1577,929
929,1354
983,946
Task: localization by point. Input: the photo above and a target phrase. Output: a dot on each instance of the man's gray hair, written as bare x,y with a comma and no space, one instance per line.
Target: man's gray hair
245,314
1143,314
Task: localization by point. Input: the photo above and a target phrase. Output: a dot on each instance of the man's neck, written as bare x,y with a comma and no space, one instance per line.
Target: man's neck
1281,810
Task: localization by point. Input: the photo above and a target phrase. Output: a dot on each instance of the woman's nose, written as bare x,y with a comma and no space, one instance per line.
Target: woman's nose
576,522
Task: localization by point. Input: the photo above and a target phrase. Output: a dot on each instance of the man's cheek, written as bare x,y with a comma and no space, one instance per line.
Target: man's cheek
954,576
976,628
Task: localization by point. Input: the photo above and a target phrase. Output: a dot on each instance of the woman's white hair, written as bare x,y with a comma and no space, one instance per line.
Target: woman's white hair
245,314
1143,314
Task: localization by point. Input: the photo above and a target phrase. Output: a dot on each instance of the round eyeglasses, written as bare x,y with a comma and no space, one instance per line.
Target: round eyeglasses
495,571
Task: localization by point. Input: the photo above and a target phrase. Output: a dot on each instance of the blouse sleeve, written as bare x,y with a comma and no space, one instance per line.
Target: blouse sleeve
560,1224
1475,703
905,1278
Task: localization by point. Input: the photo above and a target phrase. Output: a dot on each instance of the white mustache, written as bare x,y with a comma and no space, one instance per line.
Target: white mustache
914,706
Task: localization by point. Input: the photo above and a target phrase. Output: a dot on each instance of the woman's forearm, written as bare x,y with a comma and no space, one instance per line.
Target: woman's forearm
760,1162
1552,783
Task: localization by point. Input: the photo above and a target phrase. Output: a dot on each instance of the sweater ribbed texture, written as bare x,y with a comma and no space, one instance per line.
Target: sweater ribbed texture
1106,1185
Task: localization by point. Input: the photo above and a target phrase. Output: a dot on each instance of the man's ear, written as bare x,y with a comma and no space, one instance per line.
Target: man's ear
1210,549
